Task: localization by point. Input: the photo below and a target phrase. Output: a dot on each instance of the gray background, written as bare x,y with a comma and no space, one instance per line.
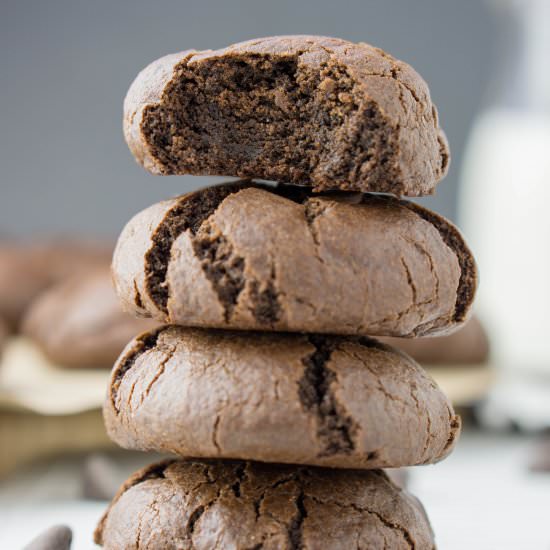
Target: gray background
65,66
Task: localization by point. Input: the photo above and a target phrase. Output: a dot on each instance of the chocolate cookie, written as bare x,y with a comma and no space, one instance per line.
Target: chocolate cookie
344,402
259,257
79,322
28,268
241,505
307,110
467,346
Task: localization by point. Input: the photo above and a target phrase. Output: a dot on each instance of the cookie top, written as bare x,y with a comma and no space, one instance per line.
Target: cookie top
307,110
28,268
344,402
257,257
467,346
79,322
218,505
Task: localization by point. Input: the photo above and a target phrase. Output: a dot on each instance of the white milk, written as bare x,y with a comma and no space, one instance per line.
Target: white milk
505,215
505,190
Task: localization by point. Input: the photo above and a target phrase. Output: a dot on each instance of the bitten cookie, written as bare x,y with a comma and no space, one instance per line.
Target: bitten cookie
344,402
26,269
467,346
259,257
306,110
210,505
79,322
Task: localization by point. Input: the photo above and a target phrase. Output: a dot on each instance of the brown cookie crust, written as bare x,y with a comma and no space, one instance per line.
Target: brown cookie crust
79,322
256,257
307,110
210,505
344,402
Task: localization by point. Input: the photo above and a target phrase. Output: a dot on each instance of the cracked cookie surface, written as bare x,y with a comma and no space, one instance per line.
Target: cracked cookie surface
306,110
197,504
344,402
252,256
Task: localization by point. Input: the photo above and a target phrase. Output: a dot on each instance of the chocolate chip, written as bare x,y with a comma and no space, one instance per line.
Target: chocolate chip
57,537
539,460
100,478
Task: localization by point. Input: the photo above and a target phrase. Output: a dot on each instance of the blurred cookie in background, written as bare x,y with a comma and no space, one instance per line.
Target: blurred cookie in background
21,279
3,334
467,346
29,267
459,363
79,322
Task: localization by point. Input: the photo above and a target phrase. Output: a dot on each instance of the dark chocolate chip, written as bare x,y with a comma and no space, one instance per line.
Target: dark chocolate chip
57,537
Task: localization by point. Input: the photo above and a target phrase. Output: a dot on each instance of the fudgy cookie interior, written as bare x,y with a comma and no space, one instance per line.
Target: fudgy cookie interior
270,116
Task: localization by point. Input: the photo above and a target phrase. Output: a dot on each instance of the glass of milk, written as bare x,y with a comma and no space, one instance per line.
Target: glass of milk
504,206
505,194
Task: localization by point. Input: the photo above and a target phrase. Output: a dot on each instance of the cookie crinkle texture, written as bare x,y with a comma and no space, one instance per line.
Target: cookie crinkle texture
306,110
257,257
202,505
343,402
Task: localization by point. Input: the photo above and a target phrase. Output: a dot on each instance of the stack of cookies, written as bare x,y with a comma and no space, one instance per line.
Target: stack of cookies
266,376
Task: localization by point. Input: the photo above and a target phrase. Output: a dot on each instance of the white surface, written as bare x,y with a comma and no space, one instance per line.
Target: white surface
481,498
484,497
